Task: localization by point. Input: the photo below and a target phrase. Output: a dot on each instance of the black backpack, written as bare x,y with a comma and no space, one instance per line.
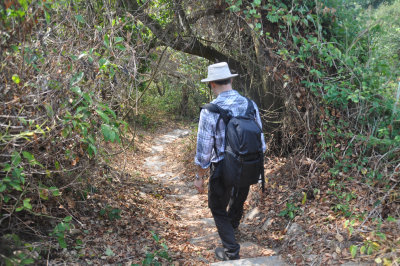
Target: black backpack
243,163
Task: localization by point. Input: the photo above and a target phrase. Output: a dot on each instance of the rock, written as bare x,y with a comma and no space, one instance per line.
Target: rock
75,231
205,238
253,213
267,224
295,229
266,261
208,221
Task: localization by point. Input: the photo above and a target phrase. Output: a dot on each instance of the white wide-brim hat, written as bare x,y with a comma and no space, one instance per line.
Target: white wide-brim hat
219,71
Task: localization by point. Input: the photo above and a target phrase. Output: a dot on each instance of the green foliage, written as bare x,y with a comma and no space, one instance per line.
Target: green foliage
290,211
110,213
61,230
153,258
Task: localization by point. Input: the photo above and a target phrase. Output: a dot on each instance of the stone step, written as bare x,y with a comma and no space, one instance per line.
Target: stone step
265,261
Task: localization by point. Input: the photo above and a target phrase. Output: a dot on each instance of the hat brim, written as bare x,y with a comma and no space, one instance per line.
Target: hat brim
214,79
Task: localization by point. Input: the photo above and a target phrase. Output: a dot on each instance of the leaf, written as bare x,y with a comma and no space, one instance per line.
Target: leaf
2,187
103,61
55,191
16,78
77,90
353,251
26,204
120,46
109,252
80,19
44,194
87,97
106,41
304,198
62,243
362,250
118,39
76,78
257,2
29,156
47,17
108,132
15,158
92,150
155,236
103,116
67,219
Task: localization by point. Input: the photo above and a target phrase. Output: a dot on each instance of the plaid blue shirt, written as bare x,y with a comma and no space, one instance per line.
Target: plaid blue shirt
207,133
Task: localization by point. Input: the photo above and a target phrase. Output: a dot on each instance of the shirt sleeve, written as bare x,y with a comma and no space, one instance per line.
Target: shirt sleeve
205,139
258,119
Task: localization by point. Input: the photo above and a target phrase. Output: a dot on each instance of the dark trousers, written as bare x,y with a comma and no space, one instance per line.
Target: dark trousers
226,205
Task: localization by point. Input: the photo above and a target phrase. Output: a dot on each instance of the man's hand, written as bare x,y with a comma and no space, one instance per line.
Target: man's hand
199,184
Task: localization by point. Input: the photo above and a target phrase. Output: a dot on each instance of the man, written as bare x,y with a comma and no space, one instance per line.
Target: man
210,153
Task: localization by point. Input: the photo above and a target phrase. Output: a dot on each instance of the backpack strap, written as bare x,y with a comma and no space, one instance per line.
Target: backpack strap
250,107
224,114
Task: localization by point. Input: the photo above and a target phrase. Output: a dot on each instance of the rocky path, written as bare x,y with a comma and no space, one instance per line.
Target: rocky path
191,212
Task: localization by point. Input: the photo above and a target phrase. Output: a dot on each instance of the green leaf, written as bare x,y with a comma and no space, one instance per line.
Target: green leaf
31,159
92,150
15,158
62,243
27,261
118,39
80,19
353,251
15,186
29,156
370,250
76,78
3,187
26,204
7,168
120,46
77,90
67,219
55,191
16,78
108,132
109,252
47,17
155,236
106,41
105,117
6,198
362,250
381,235
103,61
87,97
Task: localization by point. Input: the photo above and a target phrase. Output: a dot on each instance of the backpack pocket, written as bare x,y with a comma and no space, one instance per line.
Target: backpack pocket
239,172
250,173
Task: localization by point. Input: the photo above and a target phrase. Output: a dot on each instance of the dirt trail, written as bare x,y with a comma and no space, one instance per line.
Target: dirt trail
191,214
